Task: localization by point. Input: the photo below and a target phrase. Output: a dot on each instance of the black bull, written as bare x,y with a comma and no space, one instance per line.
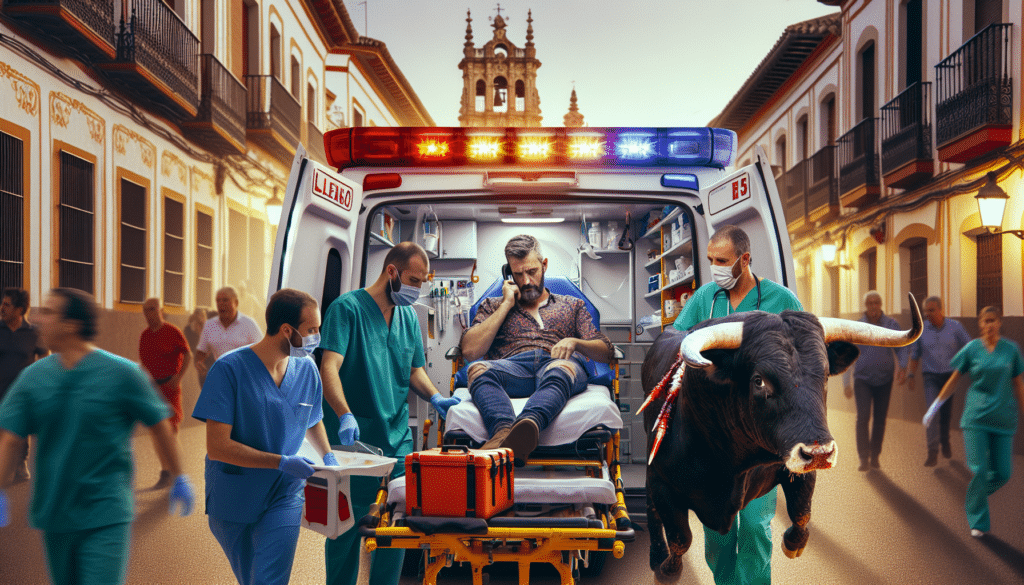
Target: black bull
750,415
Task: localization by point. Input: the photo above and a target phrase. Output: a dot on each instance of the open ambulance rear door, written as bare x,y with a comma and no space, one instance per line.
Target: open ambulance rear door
315,243
749,199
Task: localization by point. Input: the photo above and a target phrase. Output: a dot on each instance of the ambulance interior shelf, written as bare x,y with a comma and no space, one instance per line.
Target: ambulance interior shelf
672,257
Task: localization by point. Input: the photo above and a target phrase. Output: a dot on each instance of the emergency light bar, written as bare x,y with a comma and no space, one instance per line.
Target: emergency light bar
684,147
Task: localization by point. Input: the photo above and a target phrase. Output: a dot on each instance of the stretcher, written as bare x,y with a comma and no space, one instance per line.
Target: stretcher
569,507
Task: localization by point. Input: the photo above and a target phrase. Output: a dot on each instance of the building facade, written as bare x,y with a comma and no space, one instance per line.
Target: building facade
144,140
883,121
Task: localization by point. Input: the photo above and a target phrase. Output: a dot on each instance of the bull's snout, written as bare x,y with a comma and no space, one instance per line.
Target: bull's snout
804,457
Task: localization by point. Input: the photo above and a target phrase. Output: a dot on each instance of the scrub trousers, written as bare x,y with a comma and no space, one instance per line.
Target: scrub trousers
990,459
262,553
85,557
743,556
342,553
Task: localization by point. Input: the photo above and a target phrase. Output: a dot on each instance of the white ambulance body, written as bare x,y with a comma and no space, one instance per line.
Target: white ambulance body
463,192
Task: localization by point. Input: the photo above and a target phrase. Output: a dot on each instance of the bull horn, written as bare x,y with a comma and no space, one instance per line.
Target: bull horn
721,336
866,334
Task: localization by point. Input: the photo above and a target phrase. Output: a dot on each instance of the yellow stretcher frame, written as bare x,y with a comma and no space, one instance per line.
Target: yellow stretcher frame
561,547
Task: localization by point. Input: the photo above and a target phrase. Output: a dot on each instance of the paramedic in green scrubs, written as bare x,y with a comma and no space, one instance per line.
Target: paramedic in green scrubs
372,356
989,421
743,556
82,404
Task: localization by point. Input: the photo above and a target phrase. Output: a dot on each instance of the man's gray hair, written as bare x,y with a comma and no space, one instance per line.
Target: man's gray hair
933,299
739,239
520,247
871,293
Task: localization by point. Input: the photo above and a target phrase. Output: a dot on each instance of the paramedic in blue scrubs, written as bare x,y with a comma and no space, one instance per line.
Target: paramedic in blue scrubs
258,403
744,554
372,356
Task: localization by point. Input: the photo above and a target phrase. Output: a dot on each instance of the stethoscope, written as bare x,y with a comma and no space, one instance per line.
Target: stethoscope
757,281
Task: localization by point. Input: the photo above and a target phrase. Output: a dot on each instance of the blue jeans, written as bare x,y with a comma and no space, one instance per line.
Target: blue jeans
534,374
938,431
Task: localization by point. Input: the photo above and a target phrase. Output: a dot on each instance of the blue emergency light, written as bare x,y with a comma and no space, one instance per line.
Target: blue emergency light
680,147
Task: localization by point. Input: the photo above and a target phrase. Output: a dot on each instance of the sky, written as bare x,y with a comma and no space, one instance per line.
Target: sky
633,62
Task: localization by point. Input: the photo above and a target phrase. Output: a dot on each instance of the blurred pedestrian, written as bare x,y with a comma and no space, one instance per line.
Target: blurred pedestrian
82,403
19,346
990,419
165,354
871,386
258,404
193,331
230,330
939,342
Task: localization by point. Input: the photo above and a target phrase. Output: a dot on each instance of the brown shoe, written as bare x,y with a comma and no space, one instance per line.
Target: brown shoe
495,441
522,439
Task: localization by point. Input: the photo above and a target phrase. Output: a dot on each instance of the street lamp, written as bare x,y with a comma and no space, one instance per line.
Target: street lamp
991,205
274,205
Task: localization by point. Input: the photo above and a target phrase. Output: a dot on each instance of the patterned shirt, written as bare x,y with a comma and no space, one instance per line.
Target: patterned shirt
562,316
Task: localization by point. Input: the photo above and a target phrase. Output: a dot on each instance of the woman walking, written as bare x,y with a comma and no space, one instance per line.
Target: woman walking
989,421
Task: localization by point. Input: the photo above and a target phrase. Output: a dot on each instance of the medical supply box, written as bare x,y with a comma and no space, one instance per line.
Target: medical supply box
328,505
455,480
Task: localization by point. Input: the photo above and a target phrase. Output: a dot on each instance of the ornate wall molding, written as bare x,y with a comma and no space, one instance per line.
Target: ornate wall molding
202,182
26,91
170,163
146,149
61,107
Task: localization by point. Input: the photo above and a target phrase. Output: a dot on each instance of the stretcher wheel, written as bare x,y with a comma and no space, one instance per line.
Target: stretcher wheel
596,564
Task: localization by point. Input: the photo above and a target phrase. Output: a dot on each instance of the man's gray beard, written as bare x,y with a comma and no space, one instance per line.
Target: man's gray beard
531,294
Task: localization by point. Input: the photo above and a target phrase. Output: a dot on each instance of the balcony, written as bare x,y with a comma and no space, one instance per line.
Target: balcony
86,26
858,165
974,97
157,58
907,138
220,123
273,116
822,186
793,191
315,143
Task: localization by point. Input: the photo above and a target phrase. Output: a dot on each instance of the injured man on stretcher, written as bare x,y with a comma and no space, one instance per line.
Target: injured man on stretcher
528,343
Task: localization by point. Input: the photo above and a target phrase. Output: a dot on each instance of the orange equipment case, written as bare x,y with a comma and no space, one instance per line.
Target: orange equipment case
456,481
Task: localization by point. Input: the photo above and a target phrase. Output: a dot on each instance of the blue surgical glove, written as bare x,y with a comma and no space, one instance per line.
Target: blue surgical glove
348,431
296,466
934,408
330,460
442,404
5,506
182,493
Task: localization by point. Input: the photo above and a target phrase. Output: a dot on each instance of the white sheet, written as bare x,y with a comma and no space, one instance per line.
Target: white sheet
582,412
533,485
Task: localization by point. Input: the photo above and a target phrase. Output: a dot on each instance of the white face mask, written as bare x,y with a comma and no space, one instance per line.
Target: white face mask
722,275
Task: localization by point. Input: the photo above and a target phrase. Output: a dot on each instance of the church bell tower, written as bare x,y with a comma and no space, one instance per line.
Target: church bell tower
499,79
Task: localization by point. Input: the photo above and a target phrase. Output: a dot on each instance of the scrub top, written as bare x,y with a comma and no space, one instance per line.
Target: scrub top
775,298
378,362
240,392
83,420
990,404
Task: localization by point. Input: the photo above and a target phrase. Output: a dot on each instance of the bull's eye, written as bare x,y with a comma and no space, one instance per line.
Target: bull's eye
761,386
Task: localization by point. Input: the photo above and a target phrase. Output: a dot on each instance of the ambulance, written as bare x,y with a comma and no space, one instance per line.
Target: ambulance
623,216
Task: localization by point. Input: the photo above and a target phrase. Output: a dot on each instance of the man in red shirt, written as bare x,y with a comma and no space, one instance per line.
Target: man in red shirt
165,354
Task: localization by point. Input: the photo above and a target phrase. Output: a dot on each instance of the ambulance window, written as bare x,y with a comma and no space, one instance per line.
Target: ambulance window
332,281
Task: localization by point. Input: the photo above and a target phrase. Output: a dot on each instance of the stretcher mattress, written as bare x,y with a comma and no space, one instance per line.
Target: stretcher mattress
535,485
591,408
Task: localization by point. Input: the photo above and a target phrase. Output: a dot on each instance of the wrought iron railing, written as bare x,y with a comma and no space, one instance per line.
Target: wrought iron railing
98,15
973,87
271,106
857,156
153,36
907,127
223,98
315,143
822,181
793,190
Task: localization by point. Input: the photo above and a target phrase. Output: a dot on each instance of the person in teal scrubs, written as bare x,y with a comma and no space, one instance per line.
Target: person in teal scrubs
989,421
82,403
259,402
743,556
372,356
